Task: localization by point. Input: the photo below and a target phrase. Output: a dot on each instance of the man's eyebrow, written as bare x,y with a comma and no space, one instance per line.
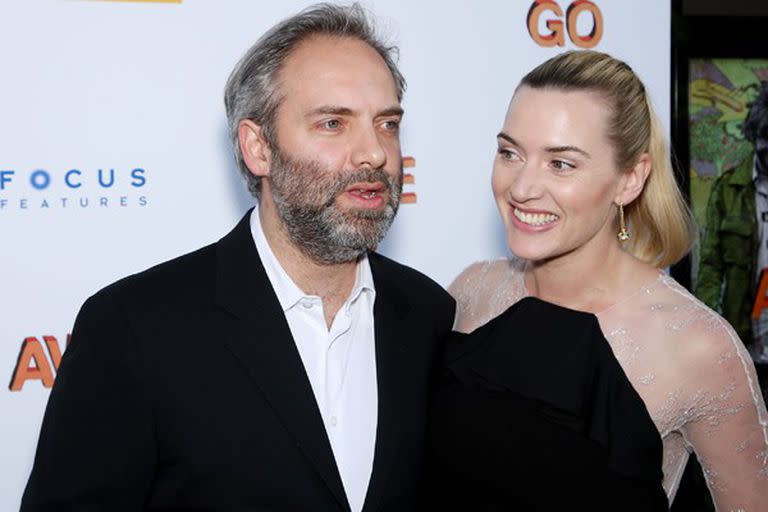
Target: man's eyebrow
345,111
391,111
551,149
329,110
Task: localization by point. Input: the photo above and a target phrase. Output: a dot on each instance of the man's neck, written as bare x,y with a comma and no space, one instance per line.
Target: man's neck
332,283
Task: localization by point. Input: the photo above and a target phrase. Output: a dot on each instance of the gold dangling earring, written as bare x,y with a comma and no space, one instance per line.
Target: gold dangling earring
623,233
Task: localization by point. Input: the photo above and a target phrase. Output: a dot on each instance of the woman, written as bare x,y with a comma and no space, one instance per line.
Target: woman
587,374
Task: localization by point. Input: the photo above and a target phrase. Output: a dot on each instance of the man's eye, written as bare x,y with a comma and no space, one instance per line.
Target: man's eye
332,124
392,125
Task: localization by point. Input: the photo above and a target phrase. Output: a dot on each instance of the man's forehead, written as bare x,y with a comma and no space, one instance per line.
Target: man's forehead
317,47
337,73
320,57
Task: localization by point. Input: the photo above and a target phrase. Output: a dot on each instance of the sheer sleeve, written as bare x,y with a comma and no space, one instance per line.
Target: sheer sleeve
463,289
484,290
726,418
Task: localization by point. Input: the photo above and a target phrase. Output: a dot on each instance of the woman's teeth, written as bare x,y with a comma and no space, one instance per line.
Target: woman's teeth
534,219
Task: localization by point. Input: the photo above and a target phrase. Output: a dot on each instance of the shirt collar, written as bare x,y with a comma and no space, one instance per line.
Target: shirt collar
287,291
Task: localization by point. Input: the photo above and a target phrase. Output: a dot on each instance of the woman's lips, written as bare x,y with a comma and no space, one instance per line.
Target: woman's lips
533,220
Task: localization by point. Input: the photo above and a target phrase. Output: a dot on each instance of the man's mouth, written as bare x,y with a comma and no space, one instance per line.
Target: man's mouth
366,194
367,191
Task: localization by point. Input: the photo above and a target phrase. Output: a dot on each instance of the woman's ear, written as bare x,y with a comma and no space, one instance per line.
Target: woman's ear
633,180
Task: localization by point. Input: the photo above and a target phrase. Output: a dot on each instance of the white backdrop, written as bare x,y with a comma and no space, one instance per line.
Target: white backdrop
136,87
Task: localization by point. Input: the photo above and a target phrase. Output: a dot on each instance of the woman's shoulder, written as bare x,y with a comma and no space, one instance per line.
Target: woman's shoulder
485,289
719,392
701,337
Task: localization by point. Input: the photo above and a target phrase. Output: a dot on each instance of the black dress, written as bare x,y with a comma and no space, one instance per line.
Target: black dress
534,413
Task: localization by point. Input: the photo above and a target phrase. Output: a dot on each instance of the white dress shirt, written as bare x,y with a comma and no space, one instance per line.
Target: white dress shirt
340,364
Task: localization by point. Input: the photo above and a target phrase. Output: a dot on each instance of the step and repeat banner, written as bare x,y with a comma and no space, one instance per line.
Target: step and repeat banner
114,155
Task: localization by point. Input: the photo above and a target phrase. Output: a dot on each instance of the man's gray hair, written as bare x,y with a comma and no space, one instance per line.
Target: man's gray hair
252,90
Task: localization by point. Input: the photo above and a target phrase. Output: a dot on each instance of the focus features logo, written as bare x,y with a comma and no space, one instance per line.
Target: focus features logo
552,33
72,188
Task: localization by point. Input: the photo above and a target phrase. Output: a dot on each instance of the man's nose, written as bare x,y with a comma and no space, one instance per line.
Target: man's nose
368,150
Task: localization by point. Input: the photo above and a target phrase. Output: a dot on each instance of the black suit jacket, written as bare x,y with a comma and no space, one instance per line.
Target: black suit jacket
182,389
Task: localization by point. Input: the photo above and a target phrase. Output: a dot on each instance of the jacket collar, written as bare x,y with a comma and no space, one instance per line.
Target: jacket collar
262,342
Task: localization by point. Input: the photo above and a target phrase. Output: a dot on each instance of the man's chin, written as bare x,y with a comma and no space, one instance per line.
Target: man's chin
336,255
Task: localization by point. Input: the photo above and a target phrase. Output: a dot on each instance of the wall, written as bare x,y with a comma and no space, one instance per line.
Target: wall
136,87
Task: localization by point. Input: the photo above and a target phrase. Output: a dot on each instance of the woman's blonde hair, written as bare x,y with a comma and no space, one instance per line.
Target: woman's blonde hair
659,219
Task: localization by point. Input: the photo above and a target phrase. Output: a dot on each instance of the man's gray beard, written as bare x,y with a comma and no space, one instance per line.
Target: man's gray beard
305,195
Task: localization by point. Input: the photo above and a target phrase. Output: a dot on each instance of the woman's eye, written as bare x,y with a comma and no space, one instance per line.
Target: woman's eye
559,165
508,154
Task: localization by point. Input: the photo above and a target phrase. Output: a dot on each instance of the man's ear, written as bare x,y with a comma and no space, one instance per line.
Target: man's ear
254,147
633,180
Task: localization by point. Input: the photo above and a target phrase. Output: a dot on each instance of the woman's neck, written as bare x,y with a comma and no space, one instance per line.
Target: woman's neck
588,279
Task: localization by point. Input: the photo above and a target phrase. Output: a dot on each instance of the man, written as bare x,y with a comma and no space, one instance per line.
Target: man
734,250
285,367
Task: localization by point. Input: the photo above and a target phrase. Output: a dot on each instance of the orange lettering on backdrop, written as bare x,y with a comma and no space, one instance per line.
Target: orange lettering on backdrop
32,365
408,179
556,37
53,349
761,300
596,34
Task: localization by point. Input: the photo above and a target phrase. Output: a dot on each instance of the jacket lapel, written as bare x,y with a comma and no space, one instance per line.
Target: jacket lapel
390,313
263,344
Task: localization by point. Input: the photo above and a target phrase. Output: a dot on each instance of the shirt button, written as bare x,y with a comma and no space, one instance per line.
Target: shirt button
334,421
307,303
